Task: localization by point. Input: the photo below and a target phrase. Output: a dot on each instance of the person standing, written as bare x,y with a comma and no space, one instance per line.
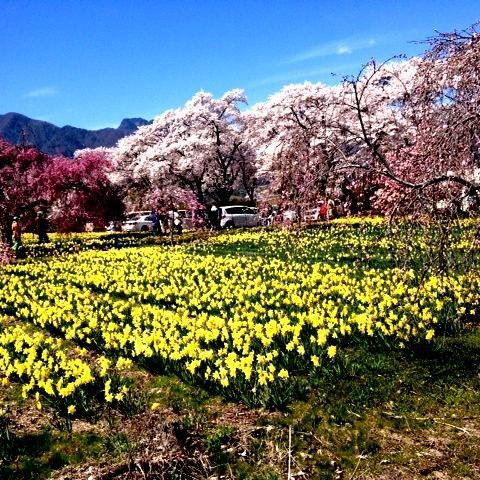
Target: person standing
338,208
17,245
323,210
177,222
330,209
42,228
155,219
16,230
214,218
163,221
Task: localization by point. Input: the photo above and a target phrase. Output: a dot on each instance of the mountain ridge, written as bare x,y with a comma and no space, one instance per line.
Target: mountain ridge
49,138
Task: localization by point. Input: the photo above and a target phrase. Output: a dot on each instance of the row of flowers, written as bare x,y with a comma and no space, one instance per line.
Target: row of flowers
224,313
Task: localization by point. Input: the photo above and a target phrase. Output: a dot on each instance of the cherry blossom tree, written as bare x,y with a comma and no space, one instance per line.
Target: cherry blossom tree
369,139
201,148
373,127
426,151
306,135
446,102
424,143
294,142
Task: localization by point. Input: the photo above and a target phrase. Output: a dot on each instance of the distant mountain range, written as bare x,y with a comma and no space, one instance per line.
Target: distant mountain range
17,129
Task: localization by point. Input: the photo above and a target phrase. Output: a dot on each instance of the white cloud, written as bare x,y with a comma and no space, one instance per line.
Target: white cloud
41,92
344,49
304,75
341,47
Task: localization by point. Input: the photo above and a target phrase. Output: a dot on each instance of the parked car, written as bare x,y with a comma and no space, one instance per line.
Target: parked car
238,216
135,214
139,223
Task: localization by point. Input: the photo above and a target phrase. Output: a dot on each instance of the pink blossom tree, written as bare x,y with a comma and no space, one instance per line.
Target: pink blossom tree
74,190
25,184
84,192
374,128
301,139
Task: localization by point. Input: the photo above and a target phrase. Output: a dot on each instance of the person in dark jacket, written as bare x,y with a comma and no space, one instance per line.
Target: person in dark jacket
155,219
42,227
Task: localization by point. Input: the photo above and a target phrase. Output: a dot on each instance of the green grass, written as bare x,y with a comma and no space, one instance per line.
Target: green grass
385,407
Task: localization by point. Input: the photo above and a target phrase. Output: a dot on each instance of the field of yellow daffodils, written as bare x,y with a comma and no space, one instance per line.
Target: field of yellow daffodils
243,312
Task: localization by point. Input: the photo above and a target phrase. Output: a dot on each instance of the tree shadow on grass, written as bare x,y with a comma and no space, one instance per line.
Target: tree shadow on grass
34,456
418,380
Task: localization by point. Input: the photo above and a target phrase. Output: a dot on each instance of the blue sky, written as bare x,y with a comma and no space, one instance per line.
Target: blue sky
91,63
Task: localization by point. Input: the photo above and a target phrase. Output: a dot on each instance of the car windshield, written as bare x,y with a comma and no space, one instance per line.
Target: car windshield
135,215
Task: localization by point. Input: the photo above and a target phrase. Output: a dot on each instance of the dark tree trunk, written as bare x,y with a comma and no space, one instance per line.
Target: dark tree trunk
6,229
352,197
223,195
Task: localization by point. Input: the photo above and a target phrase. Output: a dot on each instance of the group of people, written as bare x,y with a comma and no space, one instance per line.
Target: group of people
327,209
331,208
163,222
41,228
166,222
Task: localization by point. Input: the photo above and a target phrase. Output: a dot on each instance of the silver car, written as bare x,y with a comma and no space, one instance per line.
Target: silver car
142,223
238,216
